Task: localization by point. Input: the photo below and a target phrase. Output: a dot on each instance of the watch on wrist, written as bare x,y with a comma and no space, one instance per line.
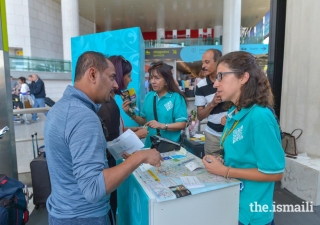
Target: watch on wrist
166,127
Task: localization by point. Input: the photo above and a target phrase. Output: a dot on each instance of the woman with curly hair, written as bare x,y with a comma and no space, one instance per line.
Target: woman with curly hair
250,146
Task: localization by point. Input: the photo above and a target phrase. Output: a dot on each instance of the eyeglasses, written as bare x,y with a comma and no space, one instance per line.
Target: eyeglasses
221,74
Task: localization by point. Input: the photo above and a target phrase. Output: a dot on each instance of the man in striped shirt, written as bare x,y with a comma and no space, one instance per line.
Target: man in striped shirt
209,104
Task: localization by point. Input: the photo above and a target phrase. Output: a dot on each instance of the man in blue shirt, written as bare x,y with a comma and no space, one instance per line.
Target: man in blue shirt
75,148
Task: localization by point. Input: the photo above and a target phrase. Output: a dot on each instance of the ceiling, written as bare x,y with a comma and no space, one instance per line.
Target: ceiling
167,14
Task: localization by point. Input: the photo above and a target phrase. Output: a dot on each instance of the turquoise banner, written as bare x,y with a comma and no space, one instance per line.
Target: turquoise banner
133,203
126,42
194,53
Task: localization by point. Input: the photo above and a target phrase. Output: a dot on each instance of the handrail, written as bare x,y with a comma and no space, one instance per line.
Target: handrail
31,110
28,139
167,43
23,63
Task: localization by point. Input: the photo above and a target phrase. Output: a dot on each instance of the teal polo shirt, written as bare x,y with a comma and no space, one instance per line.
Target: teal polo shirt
171,108
254,143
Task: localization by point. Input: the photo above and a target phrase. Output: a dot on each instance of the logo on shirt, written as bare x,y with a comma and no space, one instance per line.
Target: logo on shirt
237,134
168,105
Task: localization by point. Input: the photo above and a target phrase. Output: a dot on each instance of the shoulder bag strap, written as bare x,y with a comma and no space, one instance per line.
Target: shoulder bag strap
155,112
297,130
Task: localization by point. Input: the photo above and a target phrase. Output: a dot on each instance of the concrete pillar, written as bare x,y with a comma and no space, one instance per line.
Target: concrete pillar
217,35
300,103
160,34
217,31
70,25
8,159
231,25
160,21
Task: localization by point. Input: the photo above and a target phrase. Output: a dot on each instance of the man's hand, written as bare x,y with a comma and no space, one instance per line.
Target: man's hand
216,100
151,156
223,120
141,132
125,155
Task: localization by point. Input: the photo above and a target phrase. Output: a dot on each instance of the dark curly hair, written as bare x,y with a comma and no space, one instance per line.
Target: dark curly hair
257,89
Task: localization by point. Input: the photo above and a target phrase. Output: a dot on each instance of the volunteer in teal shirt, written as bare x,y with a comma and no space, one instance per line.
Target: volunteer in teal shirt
251,142
170,104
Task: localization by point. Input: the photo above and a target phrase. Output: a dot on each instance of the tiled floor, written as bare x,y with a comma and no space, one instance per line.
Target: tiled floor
24,148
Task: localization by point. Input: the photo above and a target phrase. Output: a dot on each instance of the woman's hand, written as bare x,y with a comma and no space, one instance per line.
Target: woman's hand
134,129
220,159
126,106
155,124
215,166
142,132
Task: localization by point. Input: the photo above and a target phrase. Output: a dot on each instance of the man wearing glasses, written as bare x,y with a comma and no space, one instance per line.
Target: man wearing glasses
209,104
76,148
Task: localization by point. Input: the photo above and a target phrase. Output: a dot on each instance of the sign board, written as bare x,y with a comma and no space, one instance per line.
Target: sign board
163,53
255,49
194,53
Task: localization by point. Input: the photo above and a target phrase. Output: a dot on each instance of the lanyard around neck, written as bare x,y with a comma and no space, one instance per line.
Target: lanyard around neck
227,133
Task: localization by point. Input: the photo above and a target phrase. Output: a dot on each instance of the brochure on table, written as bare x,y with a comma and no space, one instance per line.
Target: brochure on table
165,183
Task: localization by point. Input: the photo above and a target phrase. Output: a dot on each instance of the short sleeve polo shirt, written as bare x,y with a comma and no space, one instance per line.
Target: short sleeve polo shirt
254,143
171,108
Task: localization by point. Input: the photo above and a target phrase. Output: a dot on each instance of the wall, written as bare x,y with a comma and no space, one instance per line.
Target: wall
36,26
300,104
45,29
18,24
85,26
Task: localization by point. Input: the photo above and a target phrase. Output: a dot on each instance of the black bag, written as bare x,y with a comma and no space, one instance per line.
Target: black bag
39,174
289,142
13,203
163,145
49,102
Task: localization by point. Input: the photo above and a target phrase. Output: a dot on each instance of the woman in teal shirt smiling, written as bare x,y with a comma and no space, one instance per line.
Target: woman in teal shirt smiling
250,146
170,105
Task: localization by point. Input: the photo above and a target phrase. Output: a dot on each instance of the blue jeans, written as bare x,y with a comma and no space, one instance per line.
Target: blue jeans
271,223
39,102
104,220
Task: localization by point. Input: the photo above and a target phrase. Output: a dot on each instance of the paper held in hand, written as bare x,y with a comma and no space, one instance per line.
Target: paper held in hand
127,142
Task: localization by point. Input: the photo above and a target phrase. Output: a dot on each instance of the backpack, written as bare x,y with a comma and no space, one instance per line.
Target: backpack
13,202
